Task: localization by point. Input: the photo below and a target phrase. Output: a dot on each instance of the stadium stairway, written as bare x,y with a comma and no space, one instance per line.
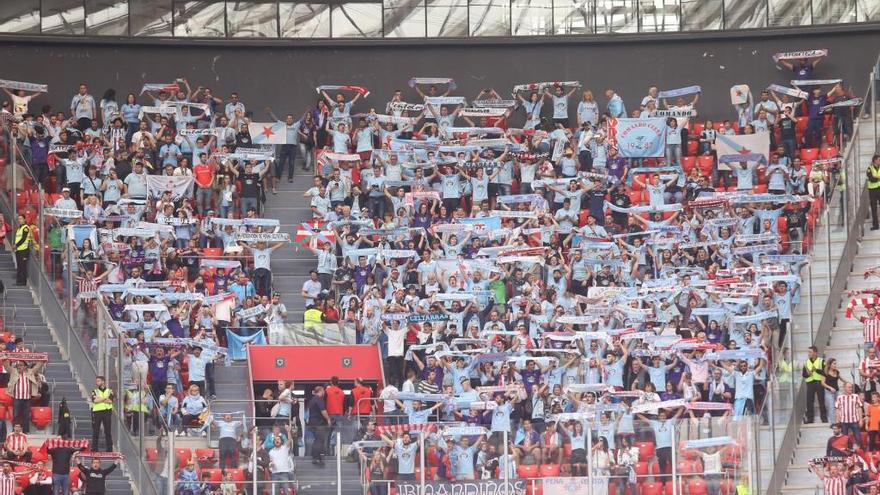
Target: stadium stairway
21,315
291,264
845,346
845,338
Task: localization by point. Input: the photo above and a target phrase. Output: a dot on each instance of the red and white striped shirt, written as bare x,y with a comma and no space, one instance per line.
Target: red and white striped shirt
835,485
850,408
7,484
871,329
22,389
16,442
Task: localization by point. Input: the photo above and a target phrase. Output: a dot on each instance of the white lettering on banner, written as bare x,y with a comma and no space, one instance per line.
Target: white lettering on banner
263,237
676,113
480,487
63,213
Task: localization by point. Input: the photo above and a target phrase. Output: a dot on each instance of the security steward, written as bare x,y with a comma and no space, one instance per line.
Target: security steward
874,190
313,318
23,240
102,413
813,375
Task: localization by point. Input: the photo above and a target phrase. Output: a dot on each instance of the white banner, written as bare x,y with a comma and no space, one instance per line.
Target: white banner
263,237
63,213
180,186
24,86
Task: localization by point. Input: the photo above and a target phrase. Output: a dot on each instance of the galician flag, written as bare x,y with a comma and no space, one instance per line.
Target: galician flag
743,147
267,132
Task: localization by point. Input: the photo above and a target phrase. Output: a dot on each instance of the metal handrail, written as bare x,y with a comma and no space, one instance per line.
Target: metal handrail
836,290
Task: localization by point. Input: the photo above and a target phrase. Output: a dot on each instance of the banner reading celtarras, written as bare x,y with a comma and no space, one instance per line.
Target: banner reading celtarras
638,138
477,487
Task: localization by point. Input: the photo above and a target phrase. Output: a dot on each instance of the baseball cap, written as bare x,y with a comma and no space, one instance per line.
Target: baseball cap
65,189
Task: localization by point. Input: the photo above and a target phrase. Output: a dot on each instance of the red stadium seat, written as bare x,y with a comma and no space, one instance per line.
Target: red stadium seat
213,252
697,486
183,456
641,468
635,197
809,154
151,455
692,147
801,124
41,417
651,488
527,471
206,457
688,163
828,151
706,163
582,217
696,128
646,449
685,467
782,224
550,470
728,487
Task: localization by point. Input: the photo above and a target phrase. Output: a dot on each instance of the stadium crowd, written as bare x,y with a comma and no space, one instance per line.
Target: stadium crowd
548,299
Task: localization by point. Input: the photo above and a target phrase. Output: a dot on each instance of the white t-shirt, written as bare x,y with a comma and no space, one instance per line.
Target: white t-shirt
280,460
396,339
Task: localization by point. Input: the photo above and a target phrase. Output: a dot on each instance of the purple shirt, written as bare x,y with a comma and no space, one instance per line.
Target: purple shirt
530,378
438,374
159,368
360,275
814,104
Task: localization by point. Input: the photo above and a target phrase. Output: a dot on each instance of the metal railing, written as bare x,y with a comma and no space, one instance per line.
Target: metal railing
854,208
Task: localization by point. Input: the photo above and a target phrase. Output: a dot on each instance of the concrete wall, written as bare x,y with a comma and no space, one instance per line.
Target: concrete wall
284,76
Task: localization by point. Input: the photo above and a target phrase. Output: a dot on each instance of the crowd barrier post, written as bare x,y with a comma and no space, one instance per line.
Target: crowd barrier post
504,438
13,189
422,460
70,317
872,87
139,417
751,463
339,463
809,301
772,384
674,460
255,443
170,464
591,461
43,242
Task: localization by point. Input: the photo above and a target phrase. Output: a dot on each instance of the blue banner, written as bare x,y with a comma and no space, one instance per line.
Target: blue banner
81,232
236,343
641,138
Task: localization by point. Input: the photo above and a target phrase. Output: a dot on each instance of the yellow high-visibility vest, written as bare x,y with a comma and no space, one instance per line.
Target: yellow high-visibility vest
873,176
312,318
137,402
814,367
102,406
22,238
